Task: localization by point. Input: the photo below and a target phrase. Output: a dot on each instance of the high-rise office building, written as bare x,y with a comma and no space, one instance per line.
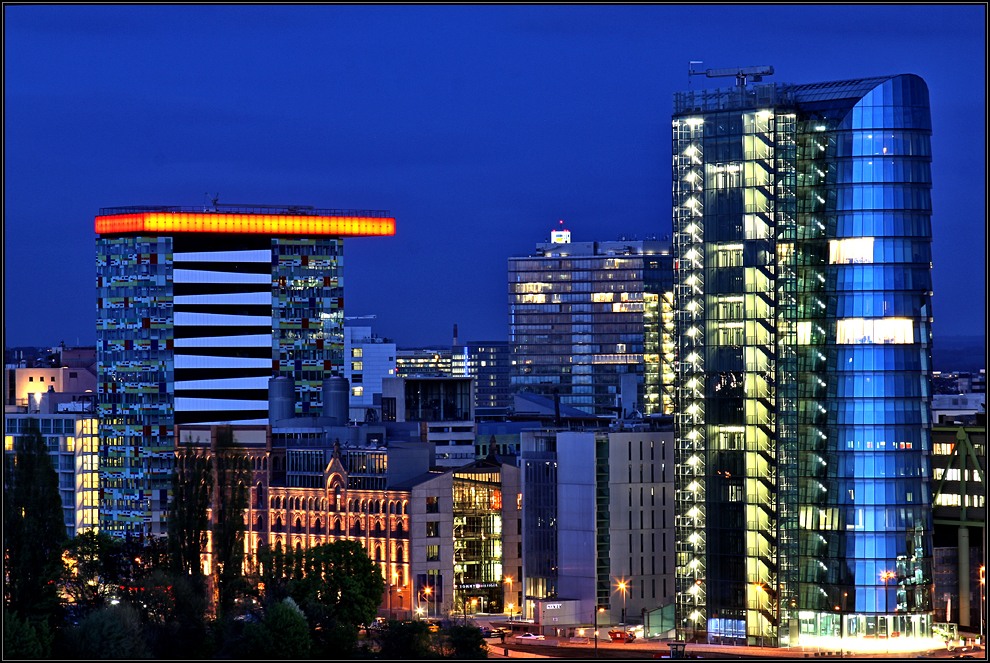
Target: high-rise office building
577,324
488,363
196,310
802,232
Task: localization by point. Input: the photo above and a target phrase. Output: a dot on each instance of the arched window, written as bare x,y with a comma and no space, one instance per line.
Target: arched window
260,525
398,557
405,507
319,526
378,553
278,525
298,525
261,495
264,463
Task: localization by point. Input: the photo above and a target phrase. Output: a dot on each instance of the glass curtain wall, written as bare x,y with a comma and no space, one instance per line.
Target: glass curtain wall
576,324
802,316
863,338
478,541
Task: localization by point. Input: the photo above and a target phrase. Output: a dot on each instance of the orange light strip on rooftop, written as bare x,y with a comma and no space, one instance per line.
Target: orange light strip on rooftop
267,224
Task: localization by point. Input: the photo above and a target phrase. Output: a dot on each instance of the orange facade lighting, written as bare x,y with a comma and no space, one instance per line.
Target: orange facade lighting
166,223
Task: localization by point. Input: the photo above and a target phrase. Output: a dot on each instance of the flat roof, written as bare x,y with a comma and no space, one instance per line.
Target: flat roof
254,219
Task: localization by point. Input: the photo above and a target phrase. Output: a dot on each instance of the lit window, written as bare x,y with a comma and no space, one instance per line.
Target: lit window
804,333
845,251
357,352
357,365
883,330
357,391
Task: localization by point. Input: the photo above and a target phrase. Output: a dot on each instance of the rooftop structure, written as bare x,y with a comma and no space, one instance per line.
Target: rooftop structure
197,308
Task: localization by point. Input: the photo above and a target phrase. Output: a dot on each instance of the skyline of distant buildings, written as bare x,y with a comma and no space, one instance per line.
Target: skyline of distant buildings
733,429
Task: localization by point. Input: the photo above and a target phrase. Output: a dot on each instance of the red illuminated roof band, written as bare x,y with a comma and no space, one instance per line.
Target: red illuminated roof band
165,223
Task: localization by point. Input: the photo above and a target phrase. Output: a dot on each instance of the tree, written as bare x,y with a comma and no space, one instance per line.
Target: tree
96,567
283,633
114,631
174,613
233,471
33,530
340,576
24,639
403,639
464,641
188,523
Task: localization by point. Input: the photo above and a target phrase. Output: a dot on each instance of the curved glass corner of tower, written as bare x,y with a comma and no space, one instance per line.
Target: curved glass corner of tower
864,342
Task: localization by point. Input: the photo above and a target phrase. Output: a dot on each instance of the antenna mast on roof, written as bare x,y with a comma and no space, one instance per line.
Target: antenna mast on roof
213,199
742,74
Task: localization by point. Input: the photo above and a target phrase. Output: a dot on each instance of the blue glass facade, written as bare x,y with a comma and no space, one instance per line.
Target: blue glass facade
803,311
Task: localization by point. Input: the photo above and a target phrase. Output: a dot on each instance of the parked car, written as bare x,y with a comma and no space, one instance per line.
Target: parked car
531,636
622,636
492,633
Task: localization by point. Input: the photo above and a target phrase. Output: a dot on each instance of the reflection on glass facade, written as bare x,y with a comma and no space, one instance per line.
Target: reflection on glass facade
802,309
576,321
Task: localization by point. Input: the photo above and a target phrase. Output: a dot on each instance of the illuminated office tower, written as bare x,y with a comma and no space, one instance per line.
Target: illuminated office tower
582,315
196,310
802,231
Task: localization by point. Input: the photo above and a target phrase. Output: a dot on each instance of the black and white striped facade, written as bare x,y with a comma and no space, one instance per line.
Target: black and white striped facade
222,316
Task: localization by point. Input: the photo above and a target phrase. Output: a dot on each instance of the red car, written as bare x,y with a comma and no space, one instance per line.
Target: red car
621,636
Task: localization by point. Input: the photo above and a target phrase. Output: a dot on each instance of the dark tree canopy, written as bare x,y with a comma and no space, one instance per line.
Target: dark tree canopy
340,576
233,472
33,530
188,523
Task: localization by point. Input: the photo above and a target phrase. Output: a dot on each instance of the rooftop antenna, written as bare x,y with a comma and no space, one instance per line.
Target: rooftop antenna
213,199
742,74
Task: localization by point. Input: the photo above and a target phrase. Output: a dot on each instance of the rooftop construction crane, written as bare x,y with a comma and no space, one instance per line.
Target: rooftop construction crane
742,74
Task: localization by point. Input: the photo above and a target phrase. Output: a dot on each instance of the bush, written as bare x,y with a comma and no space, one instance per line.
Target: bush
283,633
111,632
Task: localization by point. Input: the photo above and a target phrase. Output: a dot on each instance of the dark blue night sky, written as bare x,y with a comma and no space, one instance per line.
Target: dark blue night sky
477,127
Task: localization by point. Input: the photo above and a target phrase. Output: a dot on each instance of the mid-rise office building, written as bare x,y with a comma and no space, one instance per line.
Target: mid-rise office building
959,511
598,525
69,430
577,320
802,232
442,408
196,310
367,359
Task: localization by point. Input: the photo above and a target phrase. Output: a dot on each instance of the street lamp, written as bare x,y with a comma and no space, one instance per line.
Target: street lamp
510,612
622,588
983,586
597,610
428,591
885,576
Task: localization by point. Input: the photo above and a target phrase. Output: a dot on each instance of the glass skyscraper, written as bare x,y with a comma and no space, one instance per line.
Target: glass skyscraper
582,314
802,303
196,310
